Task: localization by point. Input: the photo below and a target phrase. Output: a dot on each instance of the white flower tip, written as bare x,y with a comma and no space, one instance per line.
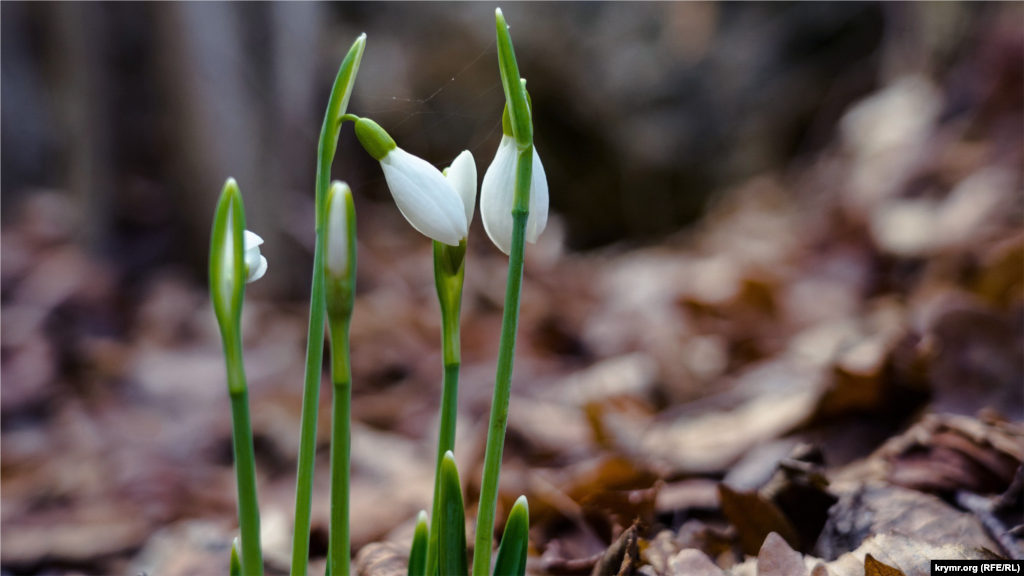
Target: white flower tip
462,176
336,259
260,270
255,263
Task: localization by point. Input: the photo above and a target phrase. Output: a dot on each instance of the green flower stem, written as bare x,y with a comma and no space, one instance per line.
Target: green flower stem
245,459
503,379
449,274
341,447
522,128
336,108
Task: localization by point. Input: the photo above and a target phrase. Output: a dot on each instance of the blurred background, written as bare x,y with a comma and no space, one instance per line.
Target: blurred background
791,222
138,113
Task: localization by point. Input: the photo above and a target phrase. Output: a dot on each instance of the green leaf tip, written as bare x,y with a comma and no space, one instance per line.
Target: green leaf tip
236,564
420,540
452,558
227,264
511,81
511,560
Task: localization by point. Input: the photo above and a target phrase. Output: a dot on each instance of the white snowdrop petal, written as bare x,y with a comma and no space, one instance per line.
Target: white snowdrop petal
251,239
538,201
425,197
462,176
496,195
259,271
254,262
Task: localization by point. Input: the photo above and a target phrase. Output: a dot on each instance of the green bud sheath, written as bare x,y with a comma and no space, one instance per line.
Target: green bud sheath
506,121
374,139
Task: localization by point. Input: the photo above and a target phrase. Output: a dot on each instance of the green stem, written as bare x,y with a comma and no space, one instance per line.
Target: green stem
336,108
341,447
310,406
245,461
449,274
503,378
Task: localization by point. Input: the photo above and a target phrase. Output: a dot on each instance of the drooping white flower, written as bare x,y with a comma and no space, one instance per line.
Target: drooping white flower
497,194
426,199
424,196
255,263
462,176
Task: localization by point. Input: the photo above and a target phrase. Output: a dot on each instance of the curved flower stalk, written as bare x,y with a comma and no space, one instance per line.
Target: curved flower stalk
424,196
234,261
497,193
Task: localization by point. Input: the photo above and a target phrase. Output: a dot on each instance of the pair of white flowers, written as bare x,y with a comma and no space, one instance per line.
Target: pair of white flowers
441,206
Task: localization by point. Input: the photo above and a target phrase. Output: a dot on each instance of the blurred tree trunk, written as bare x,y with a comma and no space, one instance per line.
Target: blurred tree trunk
237,116
79,74
25,122
215,130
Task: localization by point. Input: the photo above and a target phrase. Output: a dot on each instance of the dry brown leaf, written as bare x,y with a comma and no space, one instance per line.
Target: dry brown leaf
905,553
622,557
692,563
776,558
873,567
185,548
755,517
770,400
882,509
945,453
382,559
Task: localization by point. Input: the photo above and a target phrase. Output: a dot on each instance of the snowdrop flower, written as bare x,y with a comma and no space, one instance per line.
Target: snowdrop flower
462,176
427,200
497,194
255,263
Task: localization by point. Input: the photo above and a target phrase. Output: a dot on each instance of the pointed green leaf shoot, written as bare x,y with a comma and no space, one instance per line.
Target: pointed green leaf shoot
511,81
228,274
227,265
235,566
337,106
418,552
514,542
452,560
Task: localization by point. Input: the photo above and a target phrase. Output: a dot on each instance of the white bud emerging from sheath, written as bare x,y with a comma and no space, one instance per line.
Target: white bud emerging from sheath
425,197
497,195
339,199
255,263
462,176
